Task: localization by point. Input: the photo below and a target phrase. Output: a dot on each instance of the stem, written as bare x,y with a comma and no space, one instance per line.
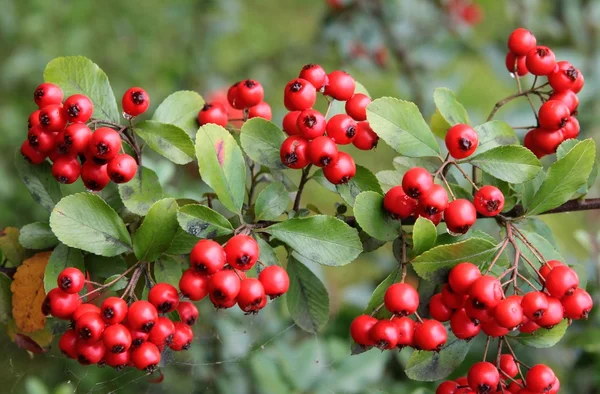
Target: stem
303,181
404,262
504,243
418,317
515,357
499,354
510,98
529,245
464,174
443,178
133,281
487,346
112,282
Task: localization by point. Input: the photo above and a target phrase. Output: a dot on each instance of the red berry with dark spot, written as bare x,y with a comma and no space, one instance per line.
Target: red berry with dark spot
241,252
251,296
122,168
66,170
434,201
260,110
322,151
356,107
299,95
105,143
341,85
436,218
577,305
578,85
275,280
430,335
94,176
540,61
137,337
562,281
162,333
293,152
528,326
491,328
365,138
117,338
182,337
145,357
34,119
509,312
563,77
290,123
384,335
463,326
142,316
401,299
567,97
188,313
213,113
47,94
311,124
540,378
90,327
78,108
438,310
398,204
553,115
341,128
521,41
41,140
223,288
135,101
315,74
571,129
71,280
460,215
462,276
90,352
117,360
193,285
406,331
340,171
488,201
164,297
53,118
553,315
60,304
74,139
534,304
547,141
31,154
250,92
486,292
483,377
417,182
207,257
516,64
68,344
113,310
461,141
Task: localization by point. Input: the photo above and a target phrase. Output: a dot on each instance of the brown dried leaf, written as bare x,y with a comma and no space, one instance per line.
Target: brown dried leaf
28,293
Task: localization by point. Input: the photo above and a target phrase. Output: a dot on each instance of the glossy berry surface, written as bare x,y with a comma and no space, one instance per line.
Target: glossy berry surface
340,171
341,85
135,101
461,141
122,168
194,285
207,257
94,176
341,128
105,143
365,138
214,113
78,108
398,203
540,61
293,152
241,252
356,106
521,41
401,299
71,280
275,280
417,182
311,124
47,94
460,215
299,95
322,151
488,201
164,297
315,74
250,92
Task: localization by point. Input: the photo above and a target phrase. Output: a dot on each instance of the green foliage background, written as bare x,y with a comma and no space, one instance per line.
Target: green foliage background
205,45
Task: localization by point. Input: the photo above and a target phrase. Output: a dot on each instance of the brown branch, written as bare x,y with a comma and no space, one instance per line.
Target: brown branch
303,181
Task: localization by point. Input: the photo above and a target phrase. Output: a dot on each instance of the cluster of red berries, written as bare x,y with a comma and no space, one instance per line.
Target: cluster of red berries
556,116
246,95
402,300
313,139
117,334
58,131
486,378
220,273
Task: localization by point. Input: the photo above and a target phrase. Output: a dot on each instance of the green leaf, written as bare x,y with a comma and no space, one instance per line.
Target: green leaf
261,141
39,181
512,163
222,165
78,74
322,239
168,270
267,253
5,299
388,179
141,192
452,111
101,267
307,298
431,366
424,235
203,222
181,109
401,125
439,126
10,247
436,263
493,134
545,247
564,177
563,149
156,233
119,284
84,221
182,243
167,140
373,219
271,202
62,257
37,236
530,188
379,293
543,338
363,181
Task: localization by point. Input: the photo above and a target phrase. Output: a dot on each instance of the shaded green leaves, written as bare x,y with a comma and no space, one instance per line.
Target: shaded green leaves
431,366
261,141
62,257
156,233
167,270
271,202
37,236
39,181
451,110
543,338
373,219
307,298
512,163
167,140
363,180
424,235
141,192
180,109
377,296
493,134
5,299
203,222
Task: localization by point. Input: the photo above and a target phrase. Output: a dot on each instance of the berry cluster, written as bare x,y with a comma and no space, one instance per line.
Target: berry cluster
556,116
313,139
220,273
59,131
246,95
402,300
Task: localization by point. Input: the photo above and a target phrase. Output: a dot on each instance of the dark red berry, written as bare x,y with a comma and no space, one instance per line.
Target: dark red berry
561,281
31,154
401,299
142,316
251,297
452,299
68,344
207,257
117,360
341,128
365,138
483,377
117,338
194,285
182,337
462,276
578,305
534,304
509,312
491,328
463,327
417,182
406,331
47,94
250,92
438,310
430,335
66,170
42,141
293,152
384,334
74,139
223,288
461,141
162,333
90,352
447,387
60,304
94,176
342,170
135,101
34,119
78,108
188,313
553,315
359,329
488,201
232,96
553,115
571,129
546,141
563,77
567,97
434,201
113,310
90,327
213,113
84,308
322,151
486,292
508,365
53,118
311,124
299,95
540,378
122,168
145,357
105,143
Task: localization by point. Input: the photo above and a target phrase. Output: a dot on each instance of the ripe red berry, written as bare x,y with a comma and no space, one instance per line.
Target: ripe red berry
521,41
34,119
540,61
561,281
188,313
401,299
213,113
90,352
241,252
182,337
417,182
275,281
90,327
516,64
68,344
438,310
311,124
193,285
41,140
31,154
60,304
341,85
547,141
488,200
293,152
461,141
578,85
406,329
94,176
122,168
486,292
452,299
232,96
117,360
577,305
534,304
113,310
342,170
164,297
251,296
553,315
71,280
356,107
135,101
483,377
47,94
398,204
105,143
563,77
435,201
460,215
491,328
359,329
138,337
365,138
142,316
74,139
463,327
567,97
290,125
299,95
341,128
53,118
322,151
84,308
260,110
548,267
78,108
315,74
435,218
250,92
430,335
508,365
553,115
207,257
66,170
540,378
462,277
145,357
116,338
223,288
571,129
162,333
447,387
384,335
509,312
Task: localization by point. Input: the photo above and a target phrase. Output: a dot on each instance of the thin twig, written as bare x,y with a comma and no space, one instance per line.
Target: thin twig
303,181
112,282
502,247
465,175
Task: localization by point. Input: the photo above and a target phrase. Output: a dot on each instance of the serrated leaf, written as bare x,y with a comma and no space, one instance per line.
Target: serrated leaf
563,149
512,163
543,338
181,109
78,74
564,177
5,299
379,292
203,222
451,110
267,253
62,257
424,235
363,181
388,179
84,221
322,239
307,298
401,125
493,134
167,270
222,165
373,219
271,202
141,192
39,181
261,141
431,366
167,140
156,233
37,236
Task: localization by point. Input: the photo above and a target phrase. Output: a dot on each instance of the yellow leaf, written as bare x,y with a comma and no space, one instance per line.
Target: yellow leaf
28,293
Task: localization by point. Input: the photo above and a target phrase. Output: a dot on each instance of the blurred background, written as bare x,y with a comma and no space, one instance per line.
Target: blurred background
400,48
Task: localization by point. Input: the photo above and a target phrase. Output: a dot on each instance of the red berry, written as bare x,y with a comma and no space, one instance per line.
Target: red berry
275,280
94,176
435,201
78,108
142,316
462,277
60,304
34,119
71,280
461,141
401,299
530,144
117,360
223,288
90,352
342,170
534,304
138,337
417,182
260,110
460,215
406,330
578,305
31,154
356,107
548,267
90,327
290,125
508,365
509,312
540,378
547,141
116,338
561,281
162,333
398,204
293,152
516,64
250,92
164,297
182,337
135,101
41,140
540,61
74,139
341,85
491,328
145,357
66,170
47,94
311,124
359,329
232,96
122,168
488,200
54,154
53,118
521,41
299,95
384,334
451,299
193,285
322,151
447,387
578,85
113,310
567,97
571,129
68,344
105,143
463,326
483,377
188,313
435,218
341,128
213,113
486,292
365,138
314,74
430,335
207,257
438,310
553,315
251,296
563,77
84,308
241,252
553,115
